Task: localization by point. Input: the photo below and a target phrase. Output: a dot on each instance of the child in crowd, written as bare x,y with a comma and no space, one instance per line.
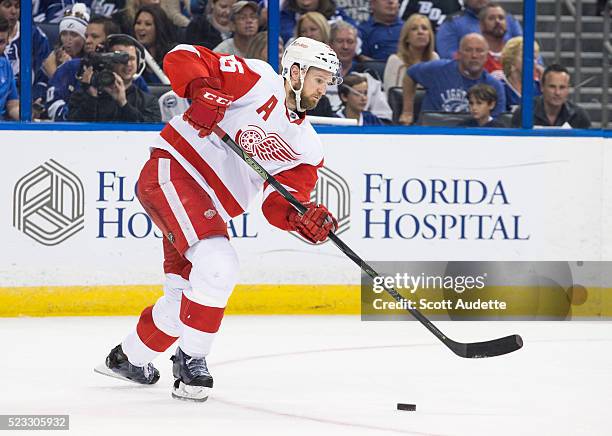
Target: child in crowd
354,95
482,99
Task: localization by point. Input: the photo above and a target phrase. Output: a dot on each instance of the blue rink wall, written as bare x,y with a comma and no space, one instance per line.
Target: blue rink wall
77,241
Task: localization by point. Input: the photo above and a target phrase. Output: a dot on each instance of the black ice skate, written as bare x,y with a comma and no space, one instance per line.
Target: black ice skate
118,366
192,381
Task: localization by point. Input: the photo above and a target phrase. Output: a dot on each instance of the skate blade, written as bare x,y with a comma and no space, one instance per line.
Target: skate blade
184,392
105,370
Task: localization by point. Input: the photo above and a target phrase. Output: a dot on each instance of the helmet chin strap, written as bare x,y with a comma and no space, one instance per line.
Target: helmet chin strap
298,92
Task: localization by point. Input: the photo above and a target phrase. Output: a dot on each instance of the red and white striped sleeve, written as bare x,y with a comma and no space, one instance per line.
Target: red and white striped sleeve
186,63
300,181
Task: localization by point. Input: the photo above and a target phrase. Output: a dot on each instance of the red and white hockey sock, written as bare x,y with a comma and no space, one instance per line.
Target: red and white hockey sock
159,326
213,275
200,326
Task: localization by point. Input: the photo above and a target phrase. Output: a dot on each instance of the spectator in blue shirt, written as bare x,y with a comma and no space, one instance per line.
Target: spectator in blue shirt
292,9
354,95
453,29
380,34
9,103
446,82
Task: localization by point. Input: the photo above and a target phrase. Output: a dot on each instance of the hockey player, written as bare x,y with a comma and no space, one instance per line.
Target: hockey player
192,185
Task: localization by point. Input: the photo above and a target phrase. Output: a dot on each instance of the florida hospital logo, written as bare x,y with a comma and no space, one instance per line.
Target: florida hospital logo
265,146
332,191
48,204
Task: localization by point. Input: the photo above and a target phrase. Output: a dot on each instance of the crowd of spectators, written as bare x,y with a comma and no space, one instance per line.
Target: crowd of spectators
401,59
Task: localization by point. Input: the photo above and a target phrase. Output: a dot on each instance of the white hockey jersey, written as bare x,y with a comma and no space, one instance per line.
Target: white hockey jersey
285,144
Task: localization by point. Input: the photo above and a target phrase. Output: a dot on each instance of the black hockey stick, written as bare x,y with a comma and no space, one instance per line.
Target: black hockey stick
495,347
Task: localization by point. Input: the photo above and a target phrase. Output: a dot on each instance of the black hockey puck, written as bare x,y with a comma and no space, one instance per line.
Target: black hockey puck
404,406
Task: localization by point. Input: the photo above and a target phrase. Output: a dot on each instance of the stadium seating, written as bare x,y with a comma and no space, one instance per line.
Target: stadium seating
442,119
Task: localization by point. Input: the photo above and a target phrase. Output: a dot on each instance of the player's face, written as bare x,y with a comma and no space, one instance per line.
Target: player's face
472,54
144,29
126,71
494,23
9,10
246,22
221,11
480,110
357,98
3,41
555,88
72,43
94,36
345,45
418,35
309,29
315,86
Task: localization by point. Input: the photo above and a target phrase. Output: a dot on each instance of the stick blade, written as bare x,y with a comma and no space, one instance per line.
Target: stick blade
496,347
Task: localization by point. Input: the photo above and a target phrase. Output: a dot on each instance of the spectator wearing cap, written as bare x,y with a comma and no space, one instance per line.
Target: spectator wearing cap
10,10
381,32
208,30
447,81
552,108
449,34
293,9
65,80
72,38
9,100
244,21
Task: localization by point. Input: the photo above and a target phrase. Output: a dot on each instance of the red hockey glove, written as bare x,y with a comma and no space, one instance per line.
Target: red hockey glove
315,224
207,108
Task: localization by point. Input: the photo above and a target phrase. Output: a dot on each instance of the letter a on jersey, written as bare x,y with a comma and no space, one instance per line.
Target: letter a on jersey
267,108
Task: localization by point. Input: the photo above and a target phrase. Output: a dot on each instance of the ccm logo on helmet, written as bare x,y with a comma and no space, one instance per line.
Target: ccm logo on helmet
220,100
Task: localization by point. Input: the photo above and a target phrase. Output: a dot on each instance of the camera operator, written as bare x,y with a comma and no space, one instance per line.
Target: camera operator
107,92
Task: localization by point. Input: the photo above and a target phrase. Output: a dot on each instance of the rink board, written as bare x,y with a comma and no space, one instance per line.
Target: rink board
74,230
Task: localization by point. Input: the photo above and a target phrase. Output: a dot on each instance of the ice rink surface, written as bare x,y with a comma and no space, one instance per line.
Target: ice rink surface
310,375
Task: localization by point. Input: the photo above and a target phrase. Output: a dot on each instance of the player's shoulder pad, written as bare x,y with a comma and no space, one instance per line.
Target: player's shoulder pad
262,68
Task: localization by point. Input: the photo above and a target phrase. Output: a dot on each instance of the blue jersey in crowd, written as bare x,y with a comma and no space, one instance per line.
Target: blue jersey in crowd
453,29
379,41
8,89
63,83
40,50
446,88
